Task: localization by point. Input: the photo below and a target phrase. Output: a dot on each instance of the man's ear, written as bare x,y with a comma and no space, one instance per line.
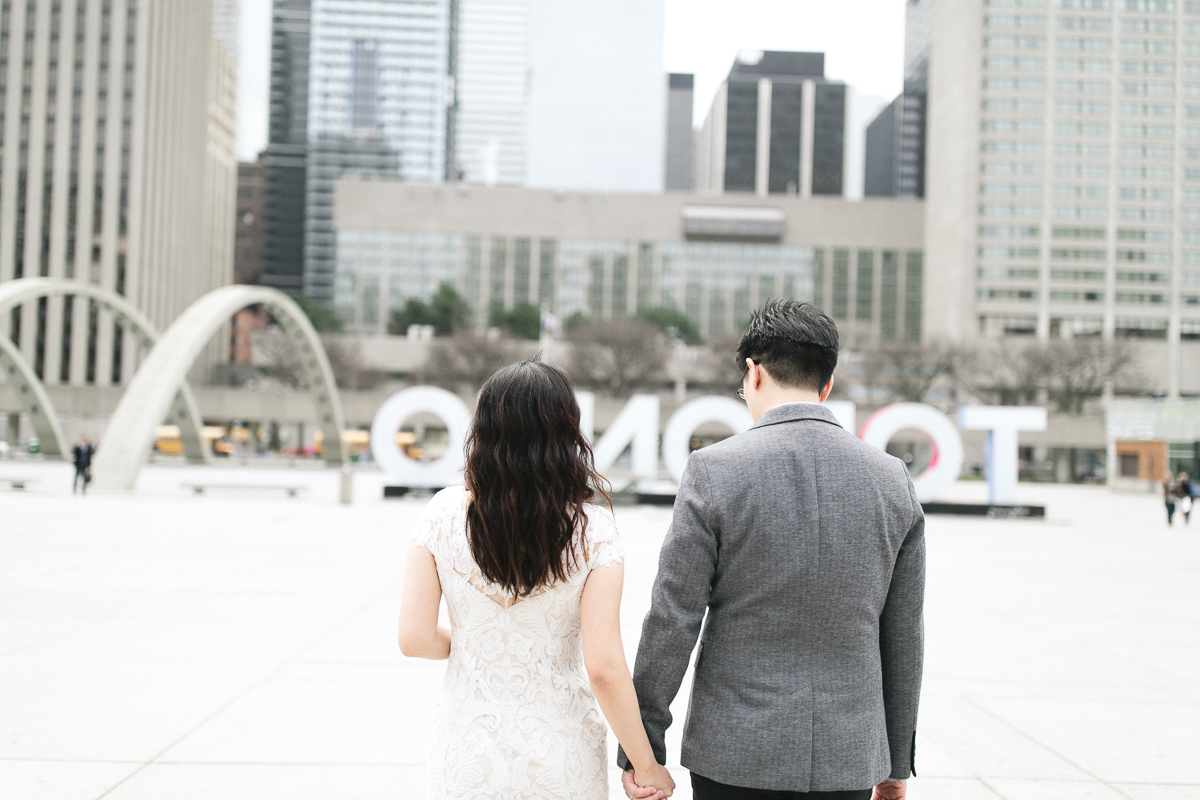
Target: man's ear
828,388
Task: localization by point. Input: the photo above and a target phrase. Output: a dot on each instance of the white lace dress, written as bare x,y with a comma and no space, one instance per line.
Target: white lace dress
516,719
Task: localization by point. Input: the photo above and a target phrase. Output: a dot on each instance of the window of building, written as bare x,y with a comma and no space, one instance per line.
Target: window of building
864,296
889,290
718,269
840,305
829,138
787,113
913,295
620,279
522,258
1077,275
595,279
997,326
741,137
645,275
669,269
818,279
1141,328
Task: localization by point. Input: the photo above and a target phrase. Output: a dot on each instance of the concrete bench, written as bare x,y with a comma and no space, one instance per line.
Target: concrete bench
199,488
17,483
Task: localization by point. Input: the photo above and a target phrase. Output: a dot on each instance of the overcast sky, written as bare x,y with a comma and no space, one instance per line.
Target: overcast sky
863,41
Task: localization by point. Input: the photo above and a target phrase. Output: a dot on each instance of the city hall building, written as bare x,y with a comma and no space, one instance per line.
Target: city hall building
606,255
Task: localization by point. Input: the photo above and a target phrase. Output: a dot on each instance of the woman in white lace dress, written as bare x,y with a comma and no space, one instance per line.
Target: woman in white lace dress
532,575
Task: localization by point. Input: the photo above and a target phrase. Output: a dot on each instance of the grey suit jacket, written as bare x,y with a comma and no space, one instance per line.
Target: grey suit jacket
806,547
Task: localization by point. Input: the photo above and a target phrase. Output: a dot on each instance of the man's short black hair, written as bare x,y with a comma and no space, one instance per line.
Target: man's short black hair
796,342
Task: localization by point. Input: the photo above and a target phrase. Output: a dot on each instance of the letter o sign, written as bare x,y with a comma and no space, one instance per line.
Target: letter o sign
692,415
447,470
947,461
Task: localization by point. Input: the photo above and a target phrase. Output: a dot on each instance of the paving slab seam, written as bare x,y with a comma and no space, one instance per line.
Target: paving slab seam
251,687
1045,747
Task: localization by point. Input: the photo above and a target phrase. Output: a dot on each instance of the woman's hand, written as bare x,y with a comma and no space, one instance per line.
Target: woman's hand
658,777
638,787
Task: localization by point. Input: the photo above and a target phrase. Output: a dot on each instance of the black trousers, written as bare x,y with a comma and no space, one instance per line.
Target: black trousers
706,789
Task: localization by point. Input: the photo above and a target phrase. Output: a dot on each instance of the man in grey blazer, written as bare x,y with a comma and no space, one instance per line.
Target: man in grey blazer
806,548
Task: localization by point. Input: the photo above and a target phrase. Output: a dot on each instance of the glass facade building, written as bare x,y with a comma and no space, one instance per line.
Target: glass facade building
777,126
358,87
607,256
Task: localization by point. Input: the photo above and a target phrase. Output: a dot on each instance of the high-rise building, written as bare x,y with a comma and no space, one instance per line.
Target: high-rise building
247,250
895,146
560,95
776,126
680,159
895,150
357,86
1064,178
117,169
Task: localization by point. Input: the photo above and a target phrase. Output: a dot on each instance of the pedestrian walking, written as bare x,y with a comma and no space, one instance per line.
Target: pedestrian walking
1168,486
1183,491
83,465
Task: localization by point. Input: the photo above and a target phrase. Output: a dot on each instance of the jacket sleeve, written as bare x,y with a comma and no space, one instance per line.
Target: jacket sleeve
902,645
686,566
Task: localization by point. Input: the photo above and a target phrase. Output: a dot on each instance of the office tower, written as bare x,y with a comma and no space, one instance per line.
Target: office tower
895,150
560,95
226,16
895,147
680,136
248,242
1064,177
357,86
776,126
117,169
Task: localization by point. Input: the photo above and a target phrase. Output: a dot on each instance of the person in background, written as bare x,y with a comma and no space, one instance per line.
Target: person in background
1168,485
1183,490
83,465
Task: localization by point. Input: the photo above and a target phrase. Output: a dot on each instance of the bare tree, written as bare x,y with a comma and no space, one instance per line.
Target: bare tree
720,362
468,357
618,356
349,371
277,355
907,370
995,372
1074,371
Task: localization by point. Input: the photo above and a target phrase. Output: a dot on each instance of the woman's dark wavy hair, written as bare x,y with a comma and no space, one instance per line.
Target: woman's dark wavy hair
529,471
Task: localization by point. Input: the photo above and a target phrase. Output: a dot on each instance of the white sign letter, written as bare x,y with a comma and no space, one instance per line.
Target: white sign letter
637,424
447,470
692,415
1002,424
947,461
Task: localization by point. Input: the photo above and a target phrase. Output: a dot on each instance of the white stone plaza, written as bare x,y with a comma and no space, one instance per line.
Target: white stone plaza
163,645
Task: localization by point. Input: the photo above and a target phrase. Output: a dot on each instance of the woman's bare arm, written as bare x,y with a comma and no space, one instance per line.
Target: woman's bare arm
604,657
420,635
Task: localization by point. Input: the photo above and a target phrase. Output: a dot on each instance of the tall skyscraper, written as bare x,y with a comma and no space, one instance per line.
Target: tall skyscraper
360,87
776,126
1064,183
560,95
680,155
895,146
117,169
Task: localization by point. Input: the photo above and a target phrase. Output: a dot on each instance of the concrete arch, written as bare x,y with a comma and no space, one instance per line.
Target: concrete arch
147,400
32,394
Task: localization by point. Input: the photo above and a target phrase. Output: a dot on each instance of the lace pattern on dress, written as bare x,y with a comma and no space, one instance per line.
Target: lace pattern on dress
516,719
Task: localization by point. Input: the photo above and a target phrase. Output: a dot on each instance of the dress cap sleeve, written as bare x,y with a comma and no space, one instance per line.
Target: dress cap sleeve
434,525
603,538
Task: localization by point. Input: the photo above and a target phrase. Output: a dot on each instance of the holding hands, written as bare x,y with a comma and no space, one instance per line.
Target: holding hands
654,783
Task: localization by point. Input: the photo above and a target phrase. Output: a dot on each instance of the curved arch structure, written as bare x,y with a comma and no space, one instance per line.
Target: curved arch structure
32,394
148,398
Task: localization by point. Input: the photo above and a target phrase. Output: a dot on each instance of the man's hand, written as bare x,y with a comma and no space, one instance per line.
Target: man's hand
889,790
632,790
